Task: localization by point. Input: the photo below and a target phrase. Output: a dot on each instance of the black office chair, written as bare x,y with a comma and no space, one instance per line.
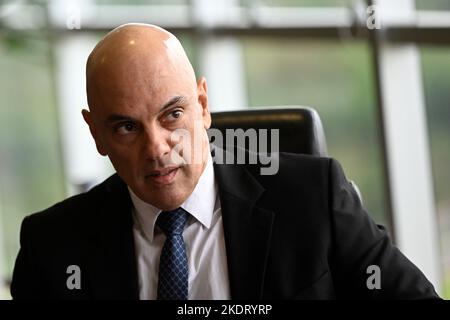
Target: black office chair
300,128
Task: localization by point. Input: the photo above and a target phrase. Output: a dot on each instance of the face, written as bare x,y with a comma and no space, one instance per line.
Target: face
135,125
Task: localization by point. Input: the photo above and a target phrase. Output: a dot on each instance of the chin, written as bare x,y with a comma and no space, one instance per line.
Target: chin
168,202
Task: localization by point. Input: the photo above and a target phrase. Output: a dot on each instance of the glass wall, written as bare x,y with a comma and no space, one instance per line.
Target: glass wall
436,69
337,80
31,173
433,4
300,3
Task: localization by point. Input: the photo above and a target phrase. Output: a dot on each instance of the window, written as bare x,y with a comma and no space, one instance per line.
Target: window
336,79
436,68
433,4
31,172
292,3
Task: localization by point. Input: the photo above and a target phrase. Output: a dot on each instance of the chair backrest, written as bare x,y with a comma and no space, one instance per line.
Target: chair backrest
300,128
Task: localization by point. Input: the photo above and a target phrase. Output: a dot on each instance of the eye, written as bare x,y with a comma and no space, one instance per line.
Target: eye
125,127
176,114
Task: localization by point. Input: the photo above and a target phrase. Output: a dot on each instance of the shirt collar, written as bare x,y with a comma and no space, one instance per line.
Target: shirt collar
200,204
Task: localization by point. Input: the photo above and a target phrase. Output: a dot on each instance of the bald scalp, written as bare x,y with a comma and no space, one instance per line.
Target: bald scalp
138,55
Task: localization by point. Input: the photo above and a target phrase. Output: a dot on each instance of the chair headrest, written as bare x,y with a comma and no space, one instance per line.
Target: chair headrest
300,128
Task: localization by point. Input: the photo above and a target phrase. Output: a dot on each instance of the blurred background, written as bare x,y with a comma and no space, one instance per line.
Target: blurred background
377,72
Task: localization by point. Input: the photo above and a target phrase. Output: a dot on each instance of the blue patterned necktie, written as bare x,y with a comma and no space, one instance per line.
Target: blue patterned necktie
173,264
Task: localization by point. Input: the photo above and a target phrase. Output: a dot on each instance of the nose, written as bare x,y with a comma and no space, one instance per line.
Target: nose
156,143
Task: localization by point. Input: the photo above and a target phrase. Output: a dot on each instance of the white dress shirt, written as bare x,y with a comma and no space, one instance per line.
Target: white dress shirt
203,236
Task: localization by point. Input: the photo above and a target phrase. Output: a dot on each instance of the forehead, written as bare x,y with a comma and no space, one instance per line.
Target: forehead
135,82
136,93
124,74
142,109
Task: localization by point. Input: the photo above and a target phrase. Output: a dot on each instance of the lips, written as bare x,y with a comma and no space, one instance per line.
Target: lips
162,172
163,176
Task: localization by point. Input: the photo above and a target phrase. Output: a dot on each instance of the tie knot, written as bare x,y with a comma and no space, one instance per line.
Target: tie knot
172,222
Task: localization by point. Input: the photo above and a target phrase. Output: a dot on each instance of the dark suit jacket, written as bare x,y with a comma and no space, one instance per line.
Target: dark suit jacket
299,234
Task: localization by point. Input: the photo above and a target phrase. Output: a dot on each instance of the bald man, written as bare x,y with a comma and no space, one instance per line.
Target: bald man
172,224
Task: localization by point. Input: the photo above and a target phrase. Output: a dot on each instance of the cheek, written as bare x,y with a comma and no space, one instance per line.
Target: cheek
124,159
186,178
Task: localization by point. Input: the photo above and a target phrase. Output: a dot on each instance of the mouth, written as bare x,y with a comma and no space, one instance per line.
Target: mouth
163,176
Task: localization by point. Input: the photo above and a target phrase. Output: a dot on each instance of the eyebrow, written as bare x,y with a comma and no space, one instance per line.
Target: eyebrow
118,117
171,102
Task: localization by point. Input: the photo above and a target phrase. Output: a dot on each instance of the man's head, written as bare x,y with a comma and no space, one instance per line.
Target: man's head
141,89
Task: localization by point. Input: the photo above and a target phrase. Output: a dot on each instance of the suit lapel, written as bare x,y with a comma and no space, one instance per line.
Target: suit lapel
113,272
247,230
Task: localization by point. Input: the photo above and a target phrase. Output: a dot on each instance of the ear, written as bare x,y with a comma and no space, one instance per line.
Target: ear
87,116
202,92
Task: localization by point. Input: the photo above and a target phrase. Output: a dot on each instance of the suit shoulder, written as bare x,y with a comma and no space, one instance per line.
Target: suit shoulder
294,167
304,161
71,209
